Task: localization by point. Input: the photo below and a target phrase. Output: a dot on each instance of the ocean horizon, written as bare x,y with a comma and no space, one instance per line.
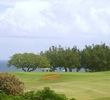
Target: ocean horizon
5,68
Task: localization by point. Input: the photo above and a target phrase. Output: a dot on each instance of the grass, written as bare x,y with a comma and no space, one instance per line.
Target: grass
82,86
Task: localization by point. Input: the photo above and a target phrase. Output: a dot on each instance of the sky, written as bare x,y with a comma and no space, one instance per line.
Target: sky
36,25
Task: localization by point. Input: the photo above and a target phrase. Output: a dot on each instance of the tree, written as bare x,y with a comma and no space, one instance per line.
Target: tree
28,61
66,58
52,56
69,58
96,58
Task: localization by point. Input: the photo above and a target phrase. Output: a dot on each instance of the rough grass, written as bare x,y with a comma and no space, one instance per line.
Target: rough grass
82,86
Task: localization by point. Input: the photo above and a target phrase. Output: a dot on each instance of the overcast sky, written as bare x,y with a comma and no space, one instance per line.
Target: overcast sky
36,25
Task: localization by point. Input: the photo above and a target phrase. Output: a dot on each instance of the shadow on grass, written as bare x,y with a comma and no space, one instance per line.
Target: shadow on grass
108,98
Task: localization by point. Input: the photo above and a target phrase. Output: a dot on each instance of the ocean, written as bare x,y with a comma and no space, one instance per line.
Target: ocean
4,68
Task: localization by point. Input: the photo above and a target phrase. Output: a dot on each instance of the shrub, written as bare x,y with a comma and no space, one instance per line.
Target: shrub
45,94
4,96
48,94
10,84
31,95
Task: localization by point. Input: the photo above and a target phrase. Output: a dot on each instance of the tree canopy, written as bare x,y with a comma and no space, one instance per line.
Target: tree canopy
96,58
91,58
63,57
28,61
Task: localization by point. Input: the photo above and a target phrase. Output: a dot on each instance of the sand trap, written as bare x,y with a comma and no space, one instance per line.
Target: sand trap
53,76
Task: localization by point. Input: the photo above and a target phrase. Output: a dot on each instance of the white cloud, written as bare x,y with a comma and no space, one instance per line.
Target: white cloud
65,17
65,22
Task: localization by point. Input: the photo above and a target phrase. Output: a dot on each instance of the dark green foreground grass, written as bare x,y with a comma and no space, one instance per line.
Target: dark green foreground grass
82,86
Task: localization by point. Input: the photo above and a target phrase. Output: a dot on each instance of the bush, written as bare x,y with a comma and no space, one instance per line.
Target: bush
10,84
45,94
31,95
4,96
48,94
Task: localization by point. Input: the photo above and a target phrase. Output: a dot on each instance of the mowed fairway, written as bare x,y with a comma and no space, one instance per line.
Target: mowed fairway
82,86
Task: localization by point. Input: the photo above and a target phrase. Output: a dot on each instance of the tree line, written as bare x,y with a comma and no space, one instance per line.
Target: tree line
92,58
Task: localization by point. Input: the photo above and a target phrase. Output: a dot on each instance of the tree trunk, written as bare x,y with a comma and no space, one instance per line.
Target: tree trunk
31,69
28,69
24,70
70,69
77,70
65,69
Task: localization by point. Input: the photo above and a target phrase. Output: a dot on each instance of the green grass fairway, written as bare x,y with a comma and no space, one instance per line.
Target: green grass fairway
82,86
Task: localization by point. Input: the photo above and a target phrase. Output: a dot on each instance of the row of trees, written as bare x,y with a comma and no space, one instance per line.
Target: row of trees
91,58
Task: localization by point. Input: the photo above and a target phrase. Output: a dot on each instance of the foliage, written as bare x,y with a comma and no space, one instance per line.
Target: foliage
48,94
91,58
28,61
4,96
60,57
96,58
45,94
10,84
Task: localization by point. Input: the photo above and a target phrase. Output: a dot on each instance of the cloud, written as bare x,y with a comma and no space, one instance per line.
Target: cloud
45,18
29,24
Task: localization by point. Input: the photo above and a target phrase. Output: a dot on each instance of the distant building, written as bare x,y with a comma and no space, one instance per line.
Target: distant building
47,69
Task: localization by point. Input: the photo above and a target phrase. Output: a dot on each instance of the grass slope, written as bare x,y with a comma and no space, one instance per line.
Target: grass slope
82,86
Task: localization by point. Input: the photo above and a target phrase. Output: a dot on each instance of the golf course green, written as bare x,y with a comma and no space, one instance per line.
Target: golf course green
81,85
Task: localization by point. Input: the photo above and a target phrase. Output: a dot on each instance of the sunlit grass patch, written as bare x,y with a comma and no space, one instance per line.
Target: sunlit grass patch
82,86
